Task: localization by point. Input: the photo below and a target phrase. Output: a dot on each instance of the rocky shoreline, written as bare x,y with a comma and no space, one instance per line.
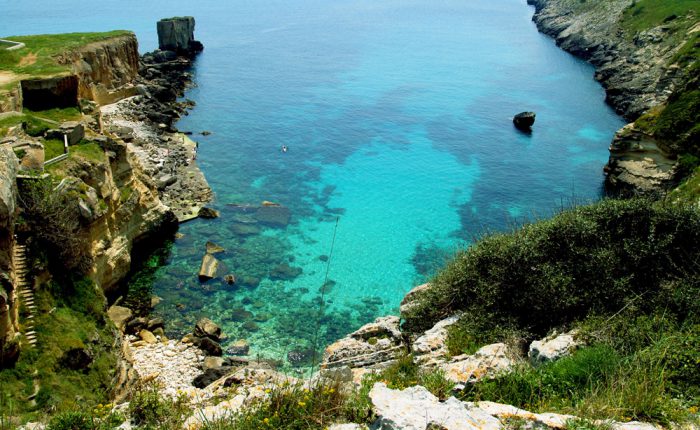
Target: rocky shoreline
146,123
639,71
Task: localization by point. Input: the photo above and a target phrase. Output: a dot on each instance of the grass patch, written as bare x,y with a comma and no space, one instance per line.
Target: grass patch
88,150
52,148
689,190
646,14
56,114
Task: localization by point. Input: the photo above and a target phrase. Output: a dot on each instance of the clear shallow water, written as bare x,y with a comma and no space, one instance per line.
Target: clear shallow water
397,115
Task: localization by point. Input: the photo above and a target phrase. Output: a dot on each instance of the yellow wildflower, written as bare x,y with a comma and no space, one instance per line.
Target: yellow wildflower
302,404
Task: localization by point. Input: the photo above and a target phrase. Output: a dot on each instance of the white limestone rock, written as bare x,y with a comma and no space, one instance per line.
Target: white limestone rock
415,408
487,362
373,344
552,348
430,348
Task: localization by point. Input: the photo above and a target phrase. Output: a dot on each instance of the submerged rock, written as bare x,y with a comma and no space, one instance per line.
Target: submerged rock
208,213
524,120
285,272
213,248
244,229
273,216
300,356
239,347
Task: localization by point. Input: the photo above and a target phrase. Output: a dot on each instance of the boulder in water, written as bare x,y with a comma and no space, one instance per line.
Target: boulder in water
273,216
239,347
209,268
524,120
207,328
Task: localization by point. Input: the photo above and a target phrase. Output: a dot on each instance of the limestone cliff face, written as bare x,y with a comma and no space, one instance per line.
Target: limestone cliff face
638,71
119,207
8,303
105,69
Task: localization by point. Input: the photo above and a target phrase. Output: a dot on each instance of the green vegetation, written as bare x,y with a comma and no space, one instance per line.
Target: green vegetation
87,150
53,219
52,149
645,14
38,57
37,122
592,259
638,367
70,316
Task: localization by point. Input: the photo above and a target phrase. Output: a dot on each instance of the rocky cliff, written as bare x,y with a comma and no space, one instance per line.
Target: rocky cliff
640,61
106,69
8,305
119,208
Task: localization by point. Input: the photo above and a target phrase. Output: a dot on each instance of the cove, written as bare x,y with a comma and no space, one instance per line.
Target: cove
397,116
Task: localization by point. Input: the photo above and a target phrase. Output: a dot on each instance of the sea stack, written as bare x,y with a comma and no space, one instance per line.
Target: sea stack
177,34
524,120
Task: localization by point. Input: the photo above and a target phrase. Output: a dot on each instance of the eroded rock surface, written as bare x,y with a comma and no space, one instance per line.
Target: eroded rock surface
371,345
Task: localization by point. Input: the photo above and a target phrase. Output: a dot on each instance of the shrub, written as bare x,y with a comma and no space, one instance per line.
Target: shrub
72,420
53,219
592,259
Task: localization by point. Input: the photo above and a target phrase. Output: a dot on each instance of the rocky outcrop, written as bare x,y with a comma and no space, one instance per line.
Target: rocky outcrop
124,211
553,347
372,345
105,70
177,34
639,163
524,120
487,362
415,408
635,71
430,348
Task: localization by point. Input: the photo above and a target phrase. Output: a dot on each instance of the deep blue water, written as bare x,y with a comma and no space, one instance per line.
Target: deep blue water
397,116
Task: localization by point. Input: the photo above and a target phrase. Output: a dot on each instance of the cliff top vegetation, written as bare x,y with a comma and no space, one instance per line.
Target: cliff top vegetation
38,56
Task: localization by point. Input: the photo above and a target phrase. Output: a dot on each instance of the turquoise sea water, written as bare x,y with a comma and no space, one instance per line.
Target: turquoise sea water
397,116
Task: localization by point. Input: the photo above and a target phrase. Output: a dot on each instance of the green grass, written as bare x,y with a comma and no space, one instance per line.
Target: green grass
56,114
39,121
52,149
646,14
45,48
689,190
88,150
